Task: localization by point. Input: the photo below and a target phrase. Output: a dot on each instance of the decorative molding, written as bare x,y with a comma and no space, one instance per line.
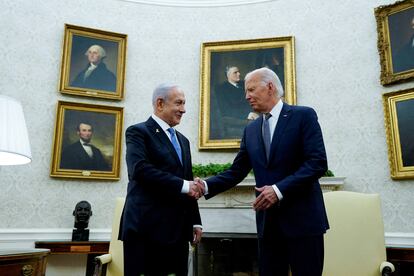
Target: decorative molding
397,239
197,3
242,196
25,238
19,238
331,183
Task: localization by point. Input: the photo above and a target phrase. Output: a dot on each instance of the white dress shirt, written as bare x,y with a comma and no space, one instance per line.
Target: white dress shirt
87,148
272,126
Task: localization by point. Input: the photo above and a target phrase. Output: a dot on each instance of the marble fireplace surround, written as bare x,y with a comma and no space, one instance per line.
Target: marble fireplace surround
231,211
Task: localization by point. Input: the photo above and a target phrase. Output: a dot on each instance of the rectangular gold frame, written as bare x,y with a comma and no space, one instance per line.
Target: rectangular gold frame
92,114
285,43
395,151
87,37
386,45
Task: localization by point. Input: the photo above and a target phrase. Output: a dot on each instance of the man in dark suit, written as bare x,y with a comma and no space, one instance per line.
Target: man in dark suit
96,75
82,155
285,148
161,214
230,106
404,57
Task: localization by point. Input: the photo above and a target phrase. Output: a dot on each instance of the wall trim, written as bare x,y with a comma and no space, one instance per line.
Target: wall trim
19,238
399,239
197,3
25,238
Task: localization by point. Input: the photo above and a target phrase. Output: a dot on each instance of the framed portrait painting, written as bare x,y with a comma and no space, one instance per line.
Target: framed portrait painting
399,118
224,111
93,63
87,141
395,26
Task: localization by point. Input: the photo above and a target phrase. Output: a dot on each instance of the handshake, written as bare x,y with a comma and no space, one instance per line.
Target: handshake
197,188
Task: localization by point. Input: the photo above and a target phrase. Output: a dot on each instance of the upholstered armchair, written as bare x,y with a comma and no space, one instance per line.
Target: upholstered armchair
355,244
114,260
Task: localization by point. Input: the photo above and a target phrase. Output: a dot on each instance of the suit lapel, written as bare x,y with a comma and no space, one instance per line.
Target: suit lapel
284,118
159,133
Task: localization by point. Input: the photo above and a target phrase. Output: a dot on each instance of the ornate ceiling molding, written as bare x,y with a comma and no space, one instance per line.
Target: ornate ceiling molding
197,3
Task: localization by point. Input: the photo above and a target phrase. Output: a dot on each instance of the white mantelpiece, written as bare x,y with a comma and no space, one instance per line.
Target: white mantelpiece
231,211
242,196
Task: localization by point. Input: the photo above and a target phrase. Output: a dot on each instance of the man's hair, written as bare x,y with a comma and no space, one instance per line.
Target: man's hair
102,52
84,123
162,92
268,76
227,69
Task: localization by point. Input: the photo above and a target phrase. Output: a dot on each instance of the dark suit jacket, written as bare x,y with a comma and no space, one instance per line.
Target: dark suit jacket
100,78
297,160
75,157
229,111
155,209
403,60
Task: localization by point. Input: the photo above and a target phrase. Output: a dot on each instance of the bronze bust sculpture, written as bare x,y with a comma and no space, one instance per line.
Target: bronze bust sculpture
82,213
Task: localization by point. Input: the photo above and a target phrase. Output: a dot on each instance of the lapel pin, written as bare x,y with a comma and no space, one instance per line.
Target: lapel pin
157,130
285,115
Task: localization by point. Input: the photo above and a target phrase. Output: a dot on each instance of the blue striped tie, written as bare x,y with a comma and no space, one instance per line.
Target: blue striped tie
175,143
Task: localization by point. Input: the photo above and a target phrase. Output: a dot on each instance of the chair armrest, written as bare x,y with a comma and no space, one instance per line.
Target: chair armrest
100,261
104,259
386,268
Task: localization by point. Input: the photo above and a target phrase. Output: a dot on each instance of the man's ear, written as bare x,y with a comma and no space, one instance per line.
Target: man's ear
91,212
271,87
160,104
73,212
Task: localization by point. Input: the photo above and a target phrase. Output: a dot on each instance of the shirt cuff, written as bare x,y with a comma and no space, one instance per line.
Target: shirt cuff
205,187
198,226
277,191
186,187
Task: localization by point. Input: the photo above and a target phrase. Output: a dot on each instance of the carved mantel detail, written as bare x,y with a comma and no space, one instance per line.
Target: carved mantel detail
242,196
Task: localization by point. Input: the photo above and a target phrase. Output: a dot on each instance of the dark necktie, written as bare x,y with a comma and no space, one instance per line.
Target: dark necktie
175,143
266,134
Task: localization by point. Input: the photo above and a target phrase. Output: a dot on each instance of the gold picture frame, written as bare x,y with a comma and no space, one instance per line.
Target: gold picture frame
222,121
106,77
395,27
99,129
399,118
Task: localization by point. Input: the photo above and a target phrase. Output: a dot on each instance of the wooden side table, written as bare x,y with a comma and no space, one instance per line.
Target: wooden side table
25,262
91,248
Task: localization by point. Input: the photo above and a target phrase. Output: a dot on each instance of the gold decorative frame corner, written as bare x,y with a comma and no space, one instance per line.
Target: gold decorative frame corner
116,136
207,48
92,34
382,13
390,100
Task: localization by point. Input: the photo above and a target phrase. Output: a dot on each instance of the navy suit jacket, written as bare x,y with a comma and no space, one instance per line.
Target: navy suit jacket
75,157
297,160
155,209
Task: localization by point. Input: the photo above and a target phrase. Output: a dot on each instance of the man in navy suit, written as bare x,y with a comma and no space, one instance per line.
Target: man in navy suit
82,155
285,148
161,214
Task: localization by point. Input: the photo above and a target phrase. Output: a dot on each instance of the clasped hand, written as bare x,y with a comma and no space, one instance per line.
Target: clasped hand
197,188
265,199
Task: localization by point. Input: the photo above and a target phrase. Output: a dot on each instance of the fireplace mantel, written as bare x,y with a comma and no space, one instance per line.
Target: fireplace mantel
242,196
231,211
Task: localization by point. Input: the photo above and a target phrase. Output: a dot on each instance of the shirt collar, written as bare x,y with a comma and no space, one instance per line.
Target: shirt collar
276,109
161,122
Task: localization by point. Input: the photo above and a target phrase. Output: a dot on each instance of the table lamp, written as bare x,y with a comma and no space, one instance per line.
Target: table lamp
14,141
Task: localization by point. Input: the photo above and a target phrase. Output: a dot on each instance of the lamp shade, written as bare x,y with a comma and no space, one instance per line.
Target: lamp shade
14,141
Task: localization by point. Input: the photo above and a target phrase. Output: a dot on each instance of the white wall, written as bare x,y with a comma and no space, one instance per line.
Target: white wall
337,73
